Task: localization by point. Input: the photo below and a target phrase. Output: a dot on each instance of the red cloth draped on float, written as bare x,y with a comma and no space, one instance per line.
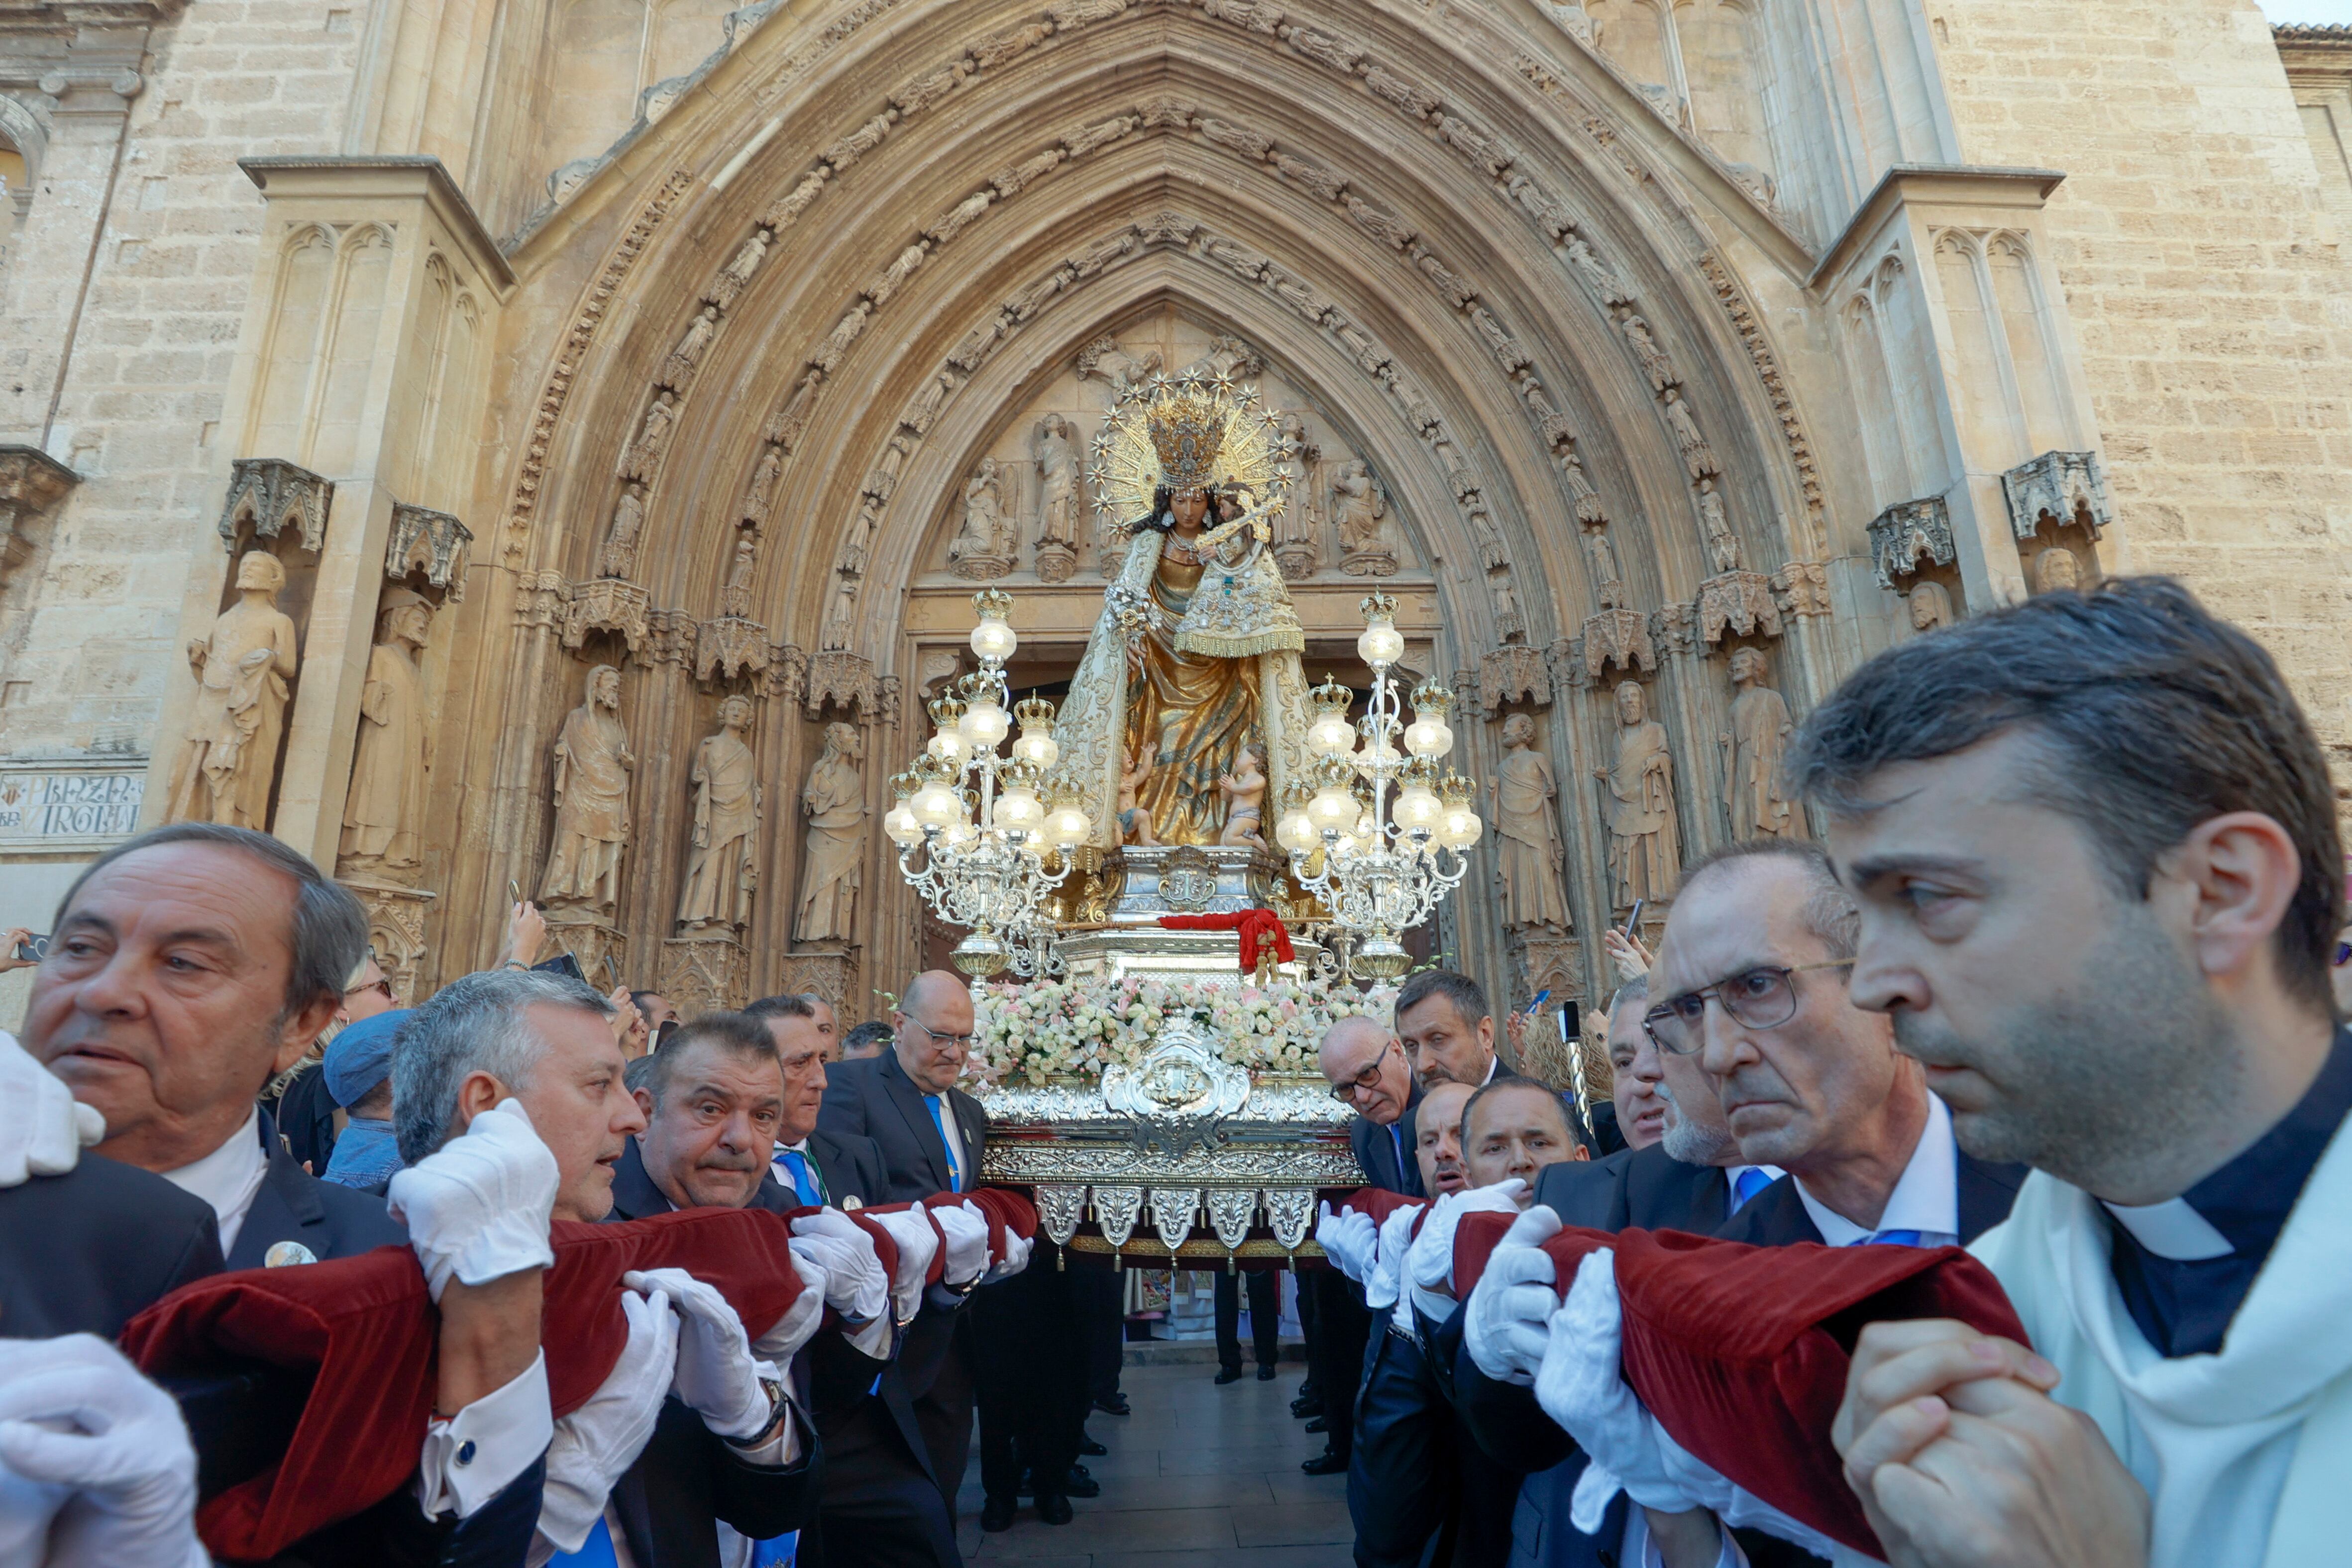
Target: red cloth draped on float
1253,926
367,1327
1741,1351
1377,1204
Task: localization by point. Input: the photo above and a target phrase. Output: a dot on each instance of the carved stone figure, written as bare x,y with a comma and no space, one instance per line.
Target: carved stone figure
1056,447
840,621
1758,740
983,547
1645,835
1104,360
620,557
761,492
1228,358
1509,623
722,867
643,458
736,274
1529,855
735,598
384,811
2055,570
1597,273
592,763
1294,549
1931,606
1645,348
228,753
677,370
831,864
1359,507
1722,544
1698,458
1607,587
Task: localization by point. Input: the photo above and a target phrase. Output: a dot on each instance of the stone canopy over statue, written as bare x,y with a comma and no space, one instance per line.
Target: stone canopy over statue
1195,656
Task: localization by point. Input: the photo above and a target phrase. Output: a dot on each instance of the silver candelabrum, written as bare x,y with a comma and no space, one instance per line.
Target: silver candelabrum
975,838
1381,835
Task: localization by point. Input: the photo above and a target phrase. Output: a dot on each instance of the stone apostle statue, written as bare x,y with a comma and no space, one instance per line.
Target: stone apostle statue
591,801
1645,840
831,864
1527,853
228,756
722,870
385,808
1760,731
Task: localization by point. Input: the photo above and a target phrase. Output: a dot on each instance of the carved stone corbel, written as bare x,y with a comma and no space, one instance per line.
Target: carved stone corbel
395,917
670,637
842,678
2062,487
1803,587
1739,601
731,646
606,604
1513,672
271,493
1619,637
1907,533
434,543
788,674
31,482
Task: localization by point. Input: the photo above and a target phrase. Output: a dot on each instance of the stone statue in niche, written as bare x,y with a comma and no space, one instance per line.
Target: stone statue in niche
760,493
1360,509
2055,570
1644,836
1529,856
1931,606
1722,544
228,753
832,861
983,547
1294,528
642,459
593,762
840,621
1607,586
735,598
1698,457
620,557
677,370
1752,753
736,274
1056,447
722,867
384,810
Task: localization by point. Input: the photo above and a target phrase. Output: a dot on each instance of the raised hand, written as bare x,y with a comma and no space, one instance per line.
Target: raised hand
477,1207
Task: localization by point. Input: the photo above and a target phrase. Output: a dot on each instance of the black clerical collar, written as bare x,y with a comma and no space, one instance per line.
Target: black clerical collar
2184,1303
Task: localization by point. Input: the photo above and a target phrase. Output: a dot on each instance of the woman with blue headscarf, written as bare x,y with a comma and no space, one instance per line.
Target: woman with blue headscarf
359,1076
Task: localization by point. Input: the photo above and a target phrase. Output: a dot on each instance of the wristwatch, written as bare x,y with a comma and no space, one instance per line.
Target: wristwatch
774,1389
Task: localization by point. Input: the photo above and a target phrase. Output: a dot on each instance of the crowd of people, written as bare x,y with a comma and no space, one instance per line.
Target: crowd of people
1971,1192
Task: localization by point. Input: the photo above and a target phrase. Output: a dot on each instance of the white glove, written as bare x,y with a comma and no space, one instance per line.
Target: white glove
75,1414
597,1442
855,1284
1381,1281
917,1243
717,1377
1581,1386
1349,1239
1429,1264
966,1229
1017,1248
43,1128
477,1206
1508,1325
784,1337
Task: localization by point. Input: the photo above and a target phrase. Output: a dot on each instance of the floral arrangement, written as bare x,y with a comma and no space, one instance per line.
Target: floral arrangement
1042,1029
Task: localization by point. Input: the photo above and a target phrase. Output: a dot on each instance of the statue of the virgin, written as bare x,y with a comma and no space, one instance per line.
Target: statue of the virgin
1195,656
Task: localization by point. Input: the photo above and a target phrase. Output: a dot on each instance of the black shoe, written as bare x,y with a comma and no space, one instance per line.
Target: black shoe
1264,1373
1320,1424
1300,1409
1330,1462
1116,1405
1228,1375
1091,1449
1054,1508
997,1513
1081,1484
1306,1389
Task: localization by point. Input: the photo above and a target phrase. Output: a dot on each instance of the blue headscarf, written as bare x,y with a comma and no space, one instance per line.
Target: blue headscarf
360,1057
366,1154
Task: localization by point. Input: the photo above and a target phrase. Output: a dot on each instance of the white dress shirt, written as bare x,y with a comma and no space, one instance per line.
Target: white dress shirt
1927,1199
228,1179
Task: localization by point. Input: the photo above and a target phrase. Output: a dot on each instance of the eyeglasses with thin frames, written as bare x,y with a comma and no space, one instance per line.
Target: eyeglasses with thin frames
960,1041
1762,998
1365,1077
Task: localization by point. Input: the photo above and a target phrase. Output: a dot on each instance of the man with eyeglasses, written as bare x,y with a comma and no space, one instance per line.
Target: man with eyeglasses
931,1134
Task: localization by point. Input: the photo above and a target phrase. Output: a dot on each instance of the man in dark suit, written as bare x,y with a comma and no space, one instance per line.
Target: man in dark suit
189,967
932,1136
712,1106
878,1501
1366,1068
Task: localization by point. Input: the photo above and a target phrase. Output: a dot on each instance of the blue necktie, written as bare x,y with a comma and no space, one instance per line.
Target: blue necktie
1751,1181
1890,1238
596,1552
803,1182
955,1166
777,1551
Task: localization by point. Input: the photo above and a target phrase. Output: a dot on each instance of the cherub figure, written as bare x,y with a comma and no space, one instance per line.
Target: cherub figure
1244,792
1134,823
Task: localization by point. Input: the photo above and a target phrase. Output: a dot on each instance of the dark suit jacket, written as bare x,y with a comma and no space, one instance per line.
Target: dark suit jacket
1376,1150
293,1206
86,1252
689,1476
1776,1218
846,1167
874,1098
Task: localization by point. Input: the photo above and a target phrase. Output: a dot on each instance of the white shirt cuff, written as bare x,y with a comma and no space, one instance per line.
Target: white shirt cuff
873,1341
476,1454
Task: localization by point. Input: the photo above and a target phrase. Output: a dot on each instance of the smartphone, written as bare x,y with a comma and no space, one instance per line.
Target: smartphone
514,890
1634,921
1539,999
562,963
33,949
612,970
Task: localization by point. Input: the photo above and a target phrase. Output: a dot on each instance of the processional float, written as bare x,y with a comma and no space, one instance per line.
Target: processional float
1151,971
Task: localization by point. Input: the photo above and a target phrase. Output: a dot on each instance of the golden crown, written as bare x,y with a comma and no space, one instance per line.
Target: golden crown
1184,433
1188,431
